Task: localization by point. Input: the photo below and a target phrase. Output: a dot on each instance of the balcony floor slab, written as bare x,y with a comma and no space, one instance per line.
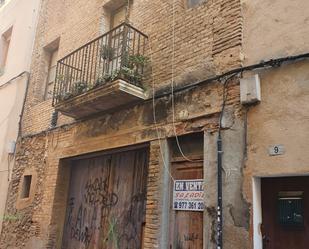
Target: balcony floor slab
104,98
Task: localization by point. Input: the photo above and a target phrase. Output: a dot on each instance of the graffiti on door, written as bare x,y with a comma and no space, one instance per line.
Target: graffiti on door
95,196
105,208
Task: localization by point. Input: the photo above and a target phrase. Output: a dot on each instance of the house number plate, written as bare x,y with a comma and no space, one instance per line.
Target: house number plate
276,150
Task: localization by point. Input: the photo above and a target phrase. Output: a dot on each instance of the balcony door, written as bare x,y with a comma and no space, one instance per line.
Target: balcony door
116,41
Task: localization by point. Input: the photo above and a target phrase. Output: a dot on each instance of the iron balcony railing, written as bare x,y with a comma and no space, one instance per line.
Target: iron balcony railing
118,54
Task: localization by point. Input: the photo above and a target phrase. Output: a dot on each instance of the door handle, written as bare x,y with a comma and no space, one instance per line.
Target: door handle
266,241
265,238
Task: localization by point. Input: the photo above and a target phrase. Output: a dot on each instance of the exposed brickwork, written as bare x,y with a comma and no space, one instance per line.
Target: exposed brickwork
207,40
204,45
200,109
227,26
153,197
23,225
75,23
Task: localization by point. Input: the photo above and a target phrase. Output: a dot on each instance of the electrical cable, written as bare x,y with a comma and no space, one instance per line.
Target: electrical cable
166,92
264,64
165,165
24,104
224,99
172,86
127,12
219,228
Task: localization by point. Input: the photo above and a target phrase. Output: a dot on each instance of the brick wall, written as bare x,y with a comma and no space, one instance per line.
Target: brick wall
207,41
153,198
46,155
75,22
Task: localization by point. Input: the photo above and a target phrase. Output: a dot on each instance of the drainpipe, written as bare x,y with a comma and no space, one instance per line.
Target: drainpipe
219,200
24,102
220,168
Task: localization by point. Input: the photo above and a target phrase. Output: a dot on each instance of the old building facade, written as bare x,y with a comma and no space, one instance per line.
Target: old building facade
280,120
17,30
136,102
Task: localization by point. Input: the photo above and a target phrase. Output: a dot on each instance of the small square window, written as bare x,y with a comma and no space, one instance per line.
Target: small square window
5,41
291,209
25,192
194,3
2,2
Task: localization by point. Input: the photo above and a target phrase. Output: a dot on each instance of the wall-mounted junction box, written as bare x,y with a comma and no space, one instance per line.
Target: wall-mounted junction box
250,90
11,147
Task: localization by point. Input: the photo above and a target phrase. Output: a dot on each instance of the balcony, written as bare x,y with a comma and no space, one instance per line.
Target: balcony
104,74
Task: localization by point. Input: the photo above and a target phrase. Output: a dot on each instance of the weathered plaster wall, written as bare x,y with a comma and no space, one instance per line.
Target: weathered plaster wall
11,102
235,208
274,29
281,118
22,15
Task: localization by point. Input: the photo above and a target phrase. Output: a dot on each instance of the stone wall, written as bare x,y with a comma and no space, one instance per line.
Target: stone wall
22,222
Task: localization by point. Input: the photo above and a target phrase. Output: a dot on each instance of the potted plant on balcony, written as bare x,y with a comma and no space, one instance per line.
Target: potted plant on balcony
107,52
132,68
101,80
79,87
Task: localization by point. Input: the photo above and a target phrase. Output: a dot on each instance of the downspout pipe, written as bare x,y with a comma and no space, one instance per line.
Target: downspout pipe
220,168
219,193
24,97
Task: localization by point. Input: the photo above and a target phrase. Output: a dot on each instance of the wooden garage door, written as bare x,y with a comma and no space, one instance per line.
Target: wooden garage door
107,198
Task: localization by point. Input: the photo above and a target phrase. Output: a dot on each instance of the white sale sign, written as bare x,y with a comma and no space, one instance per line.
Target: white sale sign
188,195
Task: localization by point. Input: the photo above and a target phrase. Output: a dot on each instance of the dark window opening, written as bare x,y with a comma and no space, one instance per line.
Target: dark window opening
191,145
194,3
2,2
25,193
4,48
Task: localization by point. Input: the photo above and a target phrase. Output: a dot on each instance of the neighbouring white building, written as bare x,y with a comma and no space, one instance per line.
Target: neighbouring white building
18,20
